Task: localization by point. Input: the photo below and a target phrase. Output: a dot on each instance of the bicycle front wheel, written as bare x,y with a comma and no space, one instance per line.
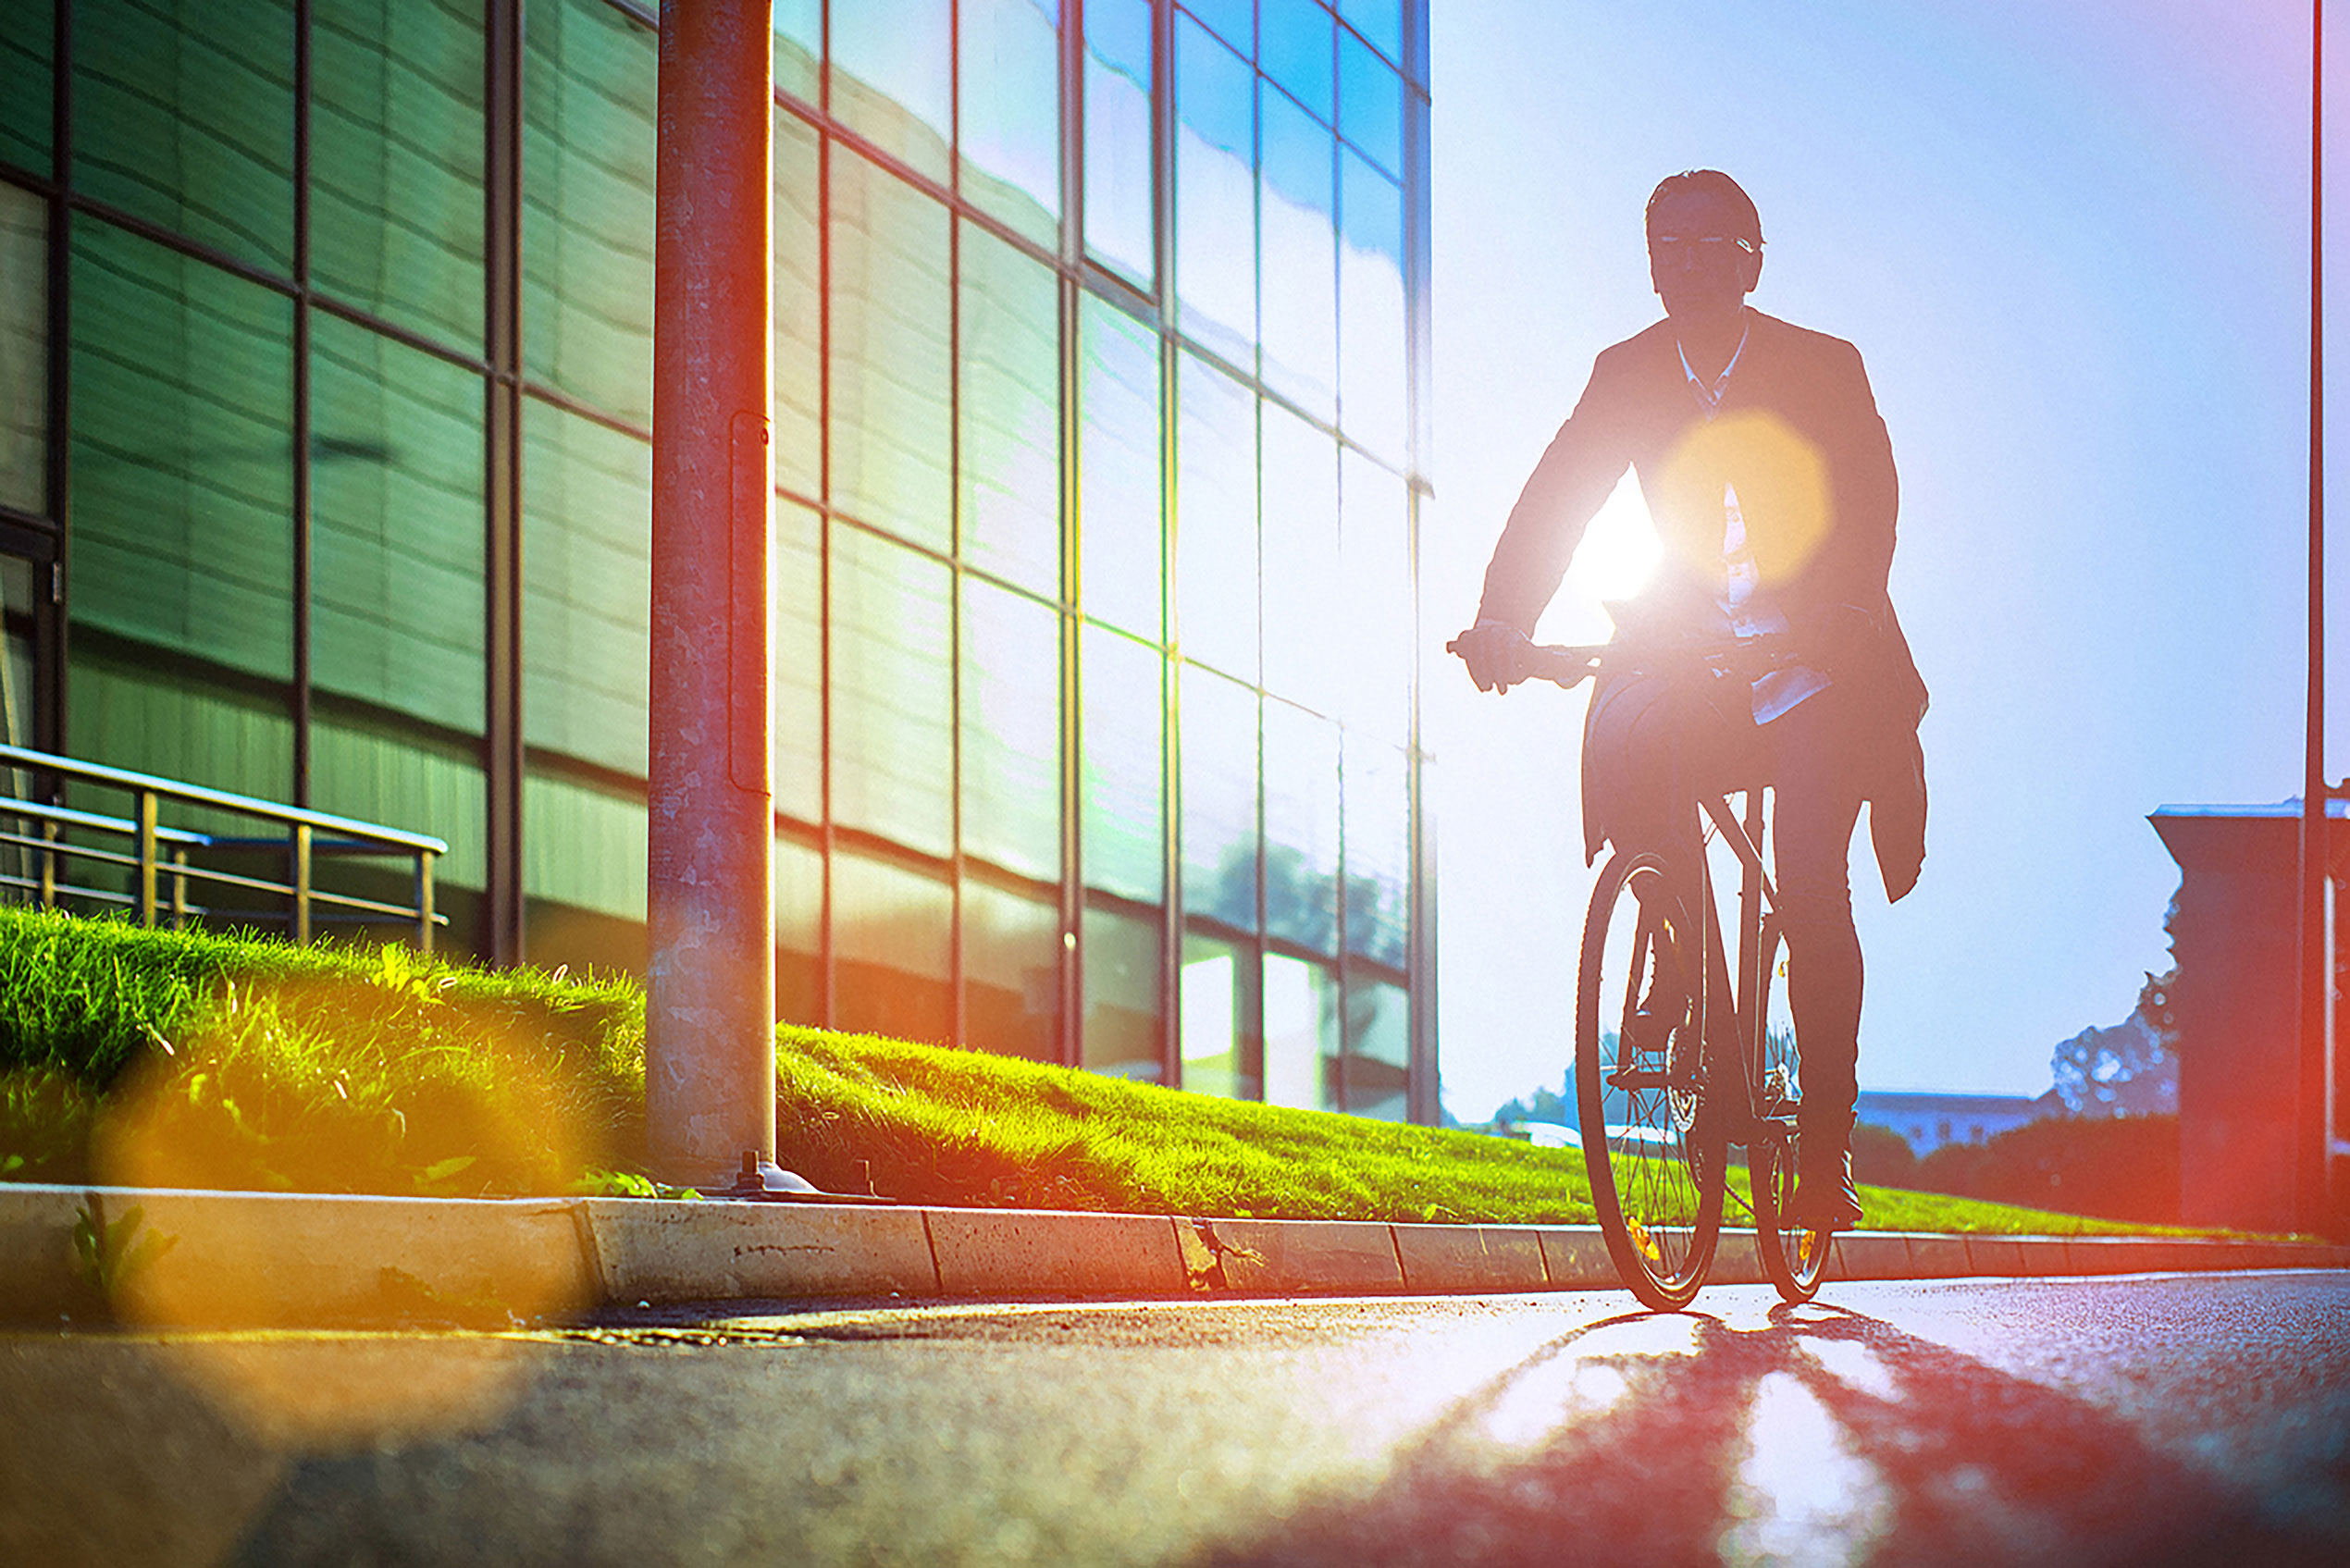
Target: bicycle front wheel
1654,1150
1793,1259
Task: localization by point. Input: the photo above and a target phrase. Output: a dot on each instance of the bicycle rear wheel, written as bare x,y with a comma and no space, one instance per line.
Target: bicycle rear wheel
1794,1259
1654,1153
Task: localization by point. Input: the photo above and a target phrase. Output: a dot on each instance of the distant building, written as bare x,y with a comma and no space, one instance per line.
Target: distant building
1929,1121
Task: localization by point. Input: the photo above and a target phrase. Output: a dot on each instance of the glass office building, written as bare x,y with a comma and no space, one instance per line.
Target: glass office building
1100,377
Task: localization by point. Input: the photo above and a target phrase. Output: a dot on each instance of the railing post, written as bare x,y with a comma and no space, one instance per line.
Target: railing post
302,882
179,888
147,809
48,866
424,900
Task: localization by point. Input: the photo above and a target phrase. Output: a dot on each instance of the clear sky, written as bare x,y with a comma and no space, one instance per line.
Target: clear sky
2070,241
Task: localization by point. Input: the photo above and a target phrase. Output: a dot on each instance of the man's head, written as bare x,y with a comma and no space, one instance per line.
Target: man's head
1705,245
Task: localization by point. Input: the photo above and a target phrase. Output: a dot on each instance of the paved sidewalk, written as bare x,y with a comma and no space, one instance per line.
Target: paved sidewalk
241,1258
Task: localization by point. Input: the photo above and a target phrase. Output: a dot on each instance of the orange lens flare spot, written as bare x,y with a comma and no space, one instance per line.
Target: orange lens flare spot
1782,485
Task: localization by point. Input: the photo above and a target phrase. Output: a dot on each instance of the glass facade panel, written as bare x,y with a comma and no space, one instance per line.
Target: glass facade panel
1378,1049
396,534
587,589
799,47
1234,22
1011,730
891,370
1219,799
1370,104
396,157
1303,658
1216,517
1375,597
589,155
799,308
1118,491
800,931
797,645
379,775
1381,22
24,349
1011,973
184,116
1374,385
1214,193
1301,1034
583,869
183,454
1298,215
27,89
1010,113
126,709
1296,50
1118,137
893,78
1121,731
892,653
1379,850
1301,827
1121,984
892,951
1010,410
1220,1049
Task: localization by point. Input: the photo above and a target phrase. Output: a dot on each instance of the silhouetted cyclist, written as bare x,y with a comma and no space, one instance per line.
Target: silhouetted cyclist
1769,478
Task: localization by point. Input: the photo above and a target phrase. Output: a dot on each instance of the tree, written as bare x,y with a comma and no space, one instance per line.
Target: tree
2130,1068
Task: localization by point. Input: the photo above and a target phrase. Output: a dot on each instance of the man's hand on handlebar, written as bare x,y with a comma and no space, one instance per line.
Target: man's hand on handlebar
1497,654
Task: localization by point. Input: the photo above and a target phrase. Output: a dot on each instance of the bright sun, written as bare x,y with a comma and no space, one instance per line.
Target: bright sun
1618,551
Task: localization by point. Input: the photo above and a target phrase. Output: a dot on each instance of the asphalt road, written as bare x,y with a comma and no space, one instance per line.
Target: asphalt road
2162,1419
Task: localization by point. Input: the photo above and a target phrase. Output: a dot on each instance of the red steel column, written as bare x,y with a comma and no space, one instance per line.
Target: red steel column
709,1046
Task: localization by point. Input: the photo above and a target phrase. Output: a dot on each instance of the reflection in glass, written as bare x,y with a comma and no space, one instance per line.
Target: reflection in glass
799,308
1303,658
1121,984
799,47
893,77
1301,827
891,365
796,647
893,692
800,931
1117,489
1298,212
184,116
1231,20
1012,764
182,456
1301,1034
1216,520
396,157
1121,729
377,773
395,527
26,85
892,951
1118,137
1379,850
157,717
24,349
1381,22
1010,127
1217,1044
1214,193
588,204
1219,799
1375,597
1370,104
584,852
1296,51
1011,973
587,588
1378,1049
1373,384
1010,413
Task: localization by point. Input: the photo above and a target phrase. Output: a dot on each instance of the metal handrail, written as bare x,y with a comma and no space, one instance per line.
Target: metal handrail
301,843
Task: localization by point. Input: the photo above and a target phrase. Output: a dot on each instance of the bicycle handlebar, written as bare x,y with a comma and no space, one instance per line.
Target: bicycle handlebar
1568,665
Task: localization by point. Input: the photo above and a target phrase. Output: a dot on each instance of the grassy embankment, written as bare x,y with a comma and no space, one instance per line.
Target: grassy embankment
164,1059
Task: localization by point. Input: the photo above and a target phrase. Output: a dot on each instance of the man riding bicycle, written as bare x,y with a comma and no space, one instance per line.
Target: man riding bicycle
1769,478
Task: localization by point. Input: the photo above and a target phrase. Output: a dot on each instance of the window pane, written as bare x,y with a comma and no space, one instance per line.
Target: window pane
1370,104
798,649
799,46
377,775
1010,413
892,372
1216,569
893,77
1214,193
1118,137
892,951
184,115
1373,381
1011,154
1011,973
183,454
587,586
585,852
893,692
1231,20
395,527
24,349
137,713
588,159
1301,827
1011,730
1299,271
1301,1034
1121,996
396,151
1296,51
1221,1055
27,46
1118,542
1121,731
799,309
1303,656
1378,1049
1375,597
1381,22
1219,799
1378,851
800,933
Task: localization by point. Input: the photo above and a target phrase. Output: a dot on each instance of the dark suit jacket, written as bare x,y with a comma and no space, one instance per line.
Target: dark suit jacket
1798,436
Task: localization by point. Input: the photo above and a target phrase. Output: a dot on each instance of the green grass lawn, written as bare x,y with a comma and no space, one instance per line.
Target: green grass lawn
155,1058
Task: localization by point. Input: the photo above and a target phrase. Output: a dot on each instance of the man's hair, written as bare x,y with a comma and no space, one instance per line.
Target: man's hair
1708,182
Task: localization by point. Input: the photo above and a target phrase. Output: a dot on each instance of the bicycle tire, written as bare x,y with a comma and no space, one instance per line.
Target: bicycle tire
1793,1260
1657,1173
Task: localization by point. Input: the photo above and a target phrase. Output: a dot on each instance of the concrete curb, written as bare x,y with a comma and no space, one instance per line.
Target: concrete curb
254,1258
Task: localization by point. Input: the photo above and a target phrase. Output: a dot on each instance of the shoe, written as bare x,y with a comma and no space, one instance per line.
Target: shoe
1824,1198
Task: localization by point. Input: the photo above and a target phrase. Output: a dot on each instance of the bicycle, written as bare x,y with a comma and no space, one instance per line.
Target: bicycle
1695,1062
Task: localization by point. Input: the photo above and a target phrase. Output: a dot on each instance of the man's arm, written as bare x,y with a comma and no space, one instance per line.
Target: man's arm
1579,468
